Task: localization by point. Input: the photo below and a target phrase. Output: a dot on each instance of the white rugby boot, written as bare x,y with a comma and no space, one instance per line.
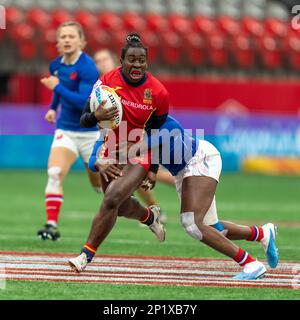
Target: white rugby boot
79,263
156,227
252,271
269,245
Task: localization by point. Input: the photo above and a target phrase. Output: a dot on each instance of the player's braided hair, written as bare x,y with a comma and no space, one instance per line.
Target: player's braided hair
133,40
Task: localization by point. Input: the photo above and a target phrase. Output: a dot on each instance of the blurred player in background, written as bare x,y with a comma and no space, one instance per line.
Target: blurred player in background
73,75
145,104
106,61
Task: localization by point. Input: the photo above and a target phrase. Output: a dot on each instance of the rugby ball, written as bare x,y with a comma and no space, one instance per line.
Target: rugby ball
101,93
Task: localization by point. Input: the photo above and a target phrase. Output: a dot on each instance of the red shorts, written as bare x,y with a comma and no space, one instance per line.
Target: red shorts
144,161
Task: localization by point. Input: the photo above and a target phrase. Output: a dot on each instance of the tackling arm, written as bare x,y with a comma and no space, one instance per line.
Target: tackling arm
88,118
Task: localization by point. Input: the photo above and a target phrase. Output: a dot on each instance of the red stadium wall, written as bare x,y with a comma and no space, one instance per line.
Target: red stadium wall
254,96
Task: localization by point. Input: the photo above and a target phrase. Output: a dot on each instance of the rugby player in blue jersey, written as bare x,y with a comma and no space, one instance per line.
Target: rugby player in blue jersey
196,165
73,75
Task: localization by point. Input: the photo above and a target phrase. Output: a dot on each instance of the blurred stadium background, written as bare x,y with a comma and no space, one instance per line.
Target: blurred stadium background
232,67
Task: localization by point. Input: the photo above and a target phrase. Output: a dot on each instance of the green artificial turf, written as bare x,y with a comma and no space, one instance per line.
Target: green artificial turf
243,198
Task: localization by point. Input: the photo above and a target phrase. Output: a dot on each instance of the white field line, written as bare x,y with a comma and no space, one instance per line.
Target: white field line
153,276
131,271
140,269
143,270
134,280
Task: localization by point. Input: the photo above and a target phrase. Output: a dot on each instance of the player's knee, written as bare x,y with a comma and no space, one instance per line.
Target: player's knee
54,180
187,220
111,200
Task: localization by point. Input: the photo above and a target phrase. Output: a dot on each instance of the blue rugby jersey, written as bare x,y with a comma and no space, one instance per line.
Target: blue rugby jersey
75,85
174,150
172,153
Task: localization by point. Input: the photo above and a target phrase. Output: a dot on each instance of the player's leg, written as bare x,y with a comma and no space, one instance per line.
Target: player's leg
117,191
150,200
231,230
59,163
237,232
147,196
265,235
196,198
115,194
131,208
149,216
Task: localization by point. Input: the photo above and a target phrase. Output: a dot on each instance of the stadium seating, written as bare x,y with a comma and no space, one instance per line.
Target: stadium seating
270,52
243,51
133,22
195,49
172,48
236,33
292,47
152,41
218,53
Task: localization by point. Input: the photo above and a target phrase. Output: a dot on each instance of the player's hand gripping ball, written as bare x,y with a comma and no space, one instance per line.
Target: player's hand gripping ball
102,93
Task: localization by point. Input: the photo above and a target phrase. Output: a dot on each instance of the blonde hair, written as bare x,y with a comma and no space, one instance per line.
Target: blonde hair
75,24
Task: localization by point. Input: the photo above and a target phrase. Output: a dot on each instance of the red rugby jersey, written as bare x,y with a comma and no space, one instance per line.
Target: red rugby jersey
150,98
141,103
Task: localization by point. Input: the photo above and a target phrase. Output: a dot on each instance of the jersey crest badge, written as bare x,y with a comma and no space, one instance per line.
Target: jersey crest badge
148,96
73,75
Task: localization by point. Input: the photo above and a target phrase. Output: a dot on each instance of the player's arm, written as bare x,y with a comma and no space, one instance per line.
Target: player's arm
77,99
54,101
88,76
90,119
106,167
161,113
50,116
156,122
153,138
93,158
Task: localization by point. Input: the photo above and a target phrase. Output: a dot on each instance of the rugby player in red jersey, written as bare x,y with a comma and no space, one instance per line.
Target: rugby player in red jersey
106,61
145,104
